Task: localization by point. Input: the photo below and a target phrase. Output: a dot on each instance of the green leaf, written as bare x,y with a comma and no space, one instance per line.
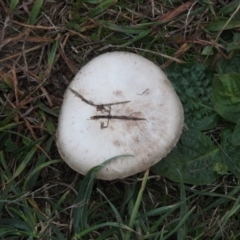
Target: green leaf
227,66
220,25
194,157
193,84
236,134
34,12
230,153
226,96
208,50
235,44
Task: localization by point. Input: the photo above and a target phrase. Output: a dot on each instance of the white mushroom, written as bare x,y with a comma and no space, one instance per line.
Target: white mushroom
119,103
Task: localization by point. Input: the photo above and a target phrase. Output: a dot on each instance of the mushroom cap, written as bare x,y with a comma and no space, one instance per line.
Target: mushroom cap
111,78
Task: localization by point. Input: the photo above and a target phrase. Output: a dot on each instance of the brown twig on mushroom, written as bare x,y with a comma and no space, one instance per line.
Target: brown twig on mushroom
98,106
108,117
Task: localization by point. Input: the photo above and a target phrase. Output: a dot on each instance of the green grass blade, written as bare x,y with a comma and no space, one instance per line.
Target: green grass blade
16,213
5,173
24,163
136,206
156,225
58,233
15,223
12,5
34,12
118,216
92,1
50,127
108,234
37,170
56,206
84,193
222,199
4,164
29,215
52,56
29,143
41,160
124,29
129,192
140,36
183,230
227,216
101,225
101,8
9,126
114,209
221,25
46,109
229,8
158,211
180,224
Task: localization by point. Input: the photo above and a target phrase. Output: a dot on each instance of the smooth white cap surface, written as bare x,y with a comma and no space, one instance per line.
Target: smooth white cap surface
116,77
